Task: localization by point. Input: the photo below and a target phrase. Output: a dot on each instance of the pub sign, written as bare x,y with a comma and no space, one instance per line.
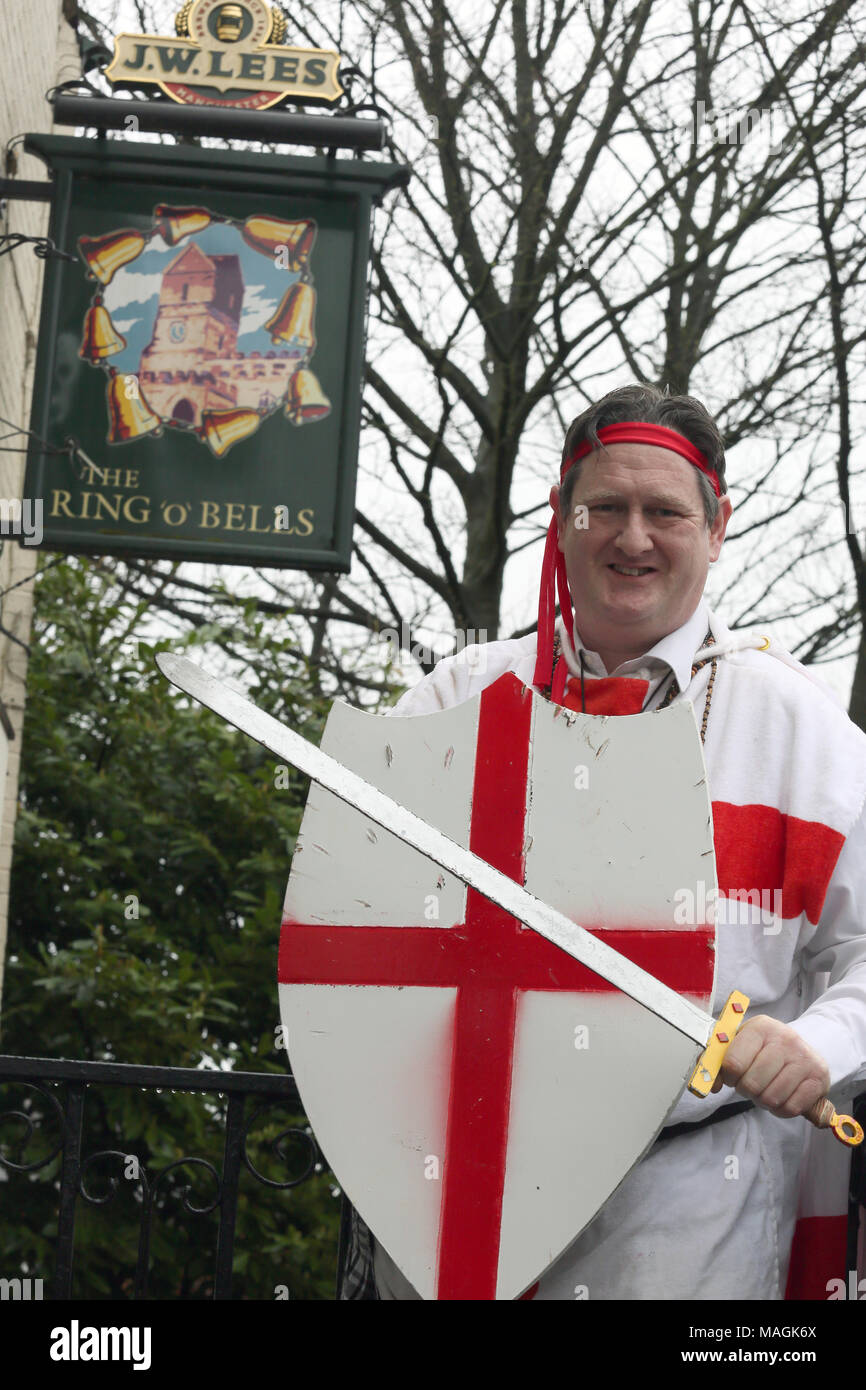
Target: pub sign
199,362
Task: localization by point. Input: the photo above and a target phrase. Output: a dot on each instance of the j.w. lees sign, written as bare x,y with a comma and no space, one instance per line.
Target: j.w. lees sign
227,53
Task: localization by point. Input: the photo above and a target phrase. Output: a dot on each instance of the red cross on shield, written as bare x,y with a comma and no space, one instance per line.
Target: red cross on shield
478,1093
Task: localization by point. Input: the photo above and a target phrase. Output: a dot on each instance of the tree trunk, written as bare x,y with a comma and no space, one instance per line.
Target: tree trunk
857,707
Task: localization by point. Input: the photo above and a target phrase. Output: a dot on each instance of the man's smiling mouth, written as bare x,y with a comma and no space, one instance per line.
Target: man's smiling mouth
630,571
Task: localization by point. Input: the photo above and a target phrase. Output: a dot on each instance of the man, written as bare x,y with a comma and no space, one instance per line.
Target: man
640,515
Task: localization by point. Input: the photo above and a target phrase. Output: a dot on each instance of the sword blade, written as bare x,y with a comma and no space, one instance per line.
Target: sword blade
236,709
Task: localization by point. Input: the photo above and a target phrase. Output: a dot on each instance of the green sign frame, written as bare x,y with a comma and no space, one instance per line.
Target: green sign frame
199,364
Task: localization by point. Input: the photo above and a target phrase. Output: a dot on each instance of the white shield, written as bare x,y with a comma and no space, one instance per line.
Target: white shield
478,1093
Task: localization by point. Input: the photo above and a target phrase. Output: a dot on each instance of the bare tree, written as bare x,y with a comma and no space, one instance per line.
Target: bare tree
612,193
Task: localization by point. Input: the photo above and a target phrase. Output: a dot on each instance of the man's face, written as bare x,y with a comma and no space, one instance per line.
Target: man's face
637,557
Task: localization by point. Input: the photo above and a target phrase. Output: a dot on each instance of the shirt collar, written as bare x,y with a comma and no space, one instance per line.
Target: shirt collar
676,651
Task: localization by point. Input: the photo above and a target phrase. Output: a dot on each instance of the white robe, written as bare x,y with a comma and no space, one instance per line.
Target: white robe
711,1214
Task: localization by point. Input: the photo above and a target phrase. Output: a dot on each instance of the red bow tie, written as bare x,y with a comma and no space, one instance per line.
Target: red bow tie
607,694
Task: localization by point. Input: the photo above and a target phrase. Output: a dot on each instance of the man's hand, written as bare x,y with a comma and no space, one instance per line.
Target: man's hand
772,1065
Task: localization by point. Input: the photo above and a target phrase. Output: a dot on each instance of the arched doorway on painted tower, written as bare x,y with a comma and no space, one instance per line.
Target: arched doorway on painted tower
184,411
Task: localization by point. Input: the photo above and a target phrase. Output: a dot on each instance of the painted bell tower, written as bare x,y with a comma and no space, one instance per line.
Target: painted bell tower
199,311
192,364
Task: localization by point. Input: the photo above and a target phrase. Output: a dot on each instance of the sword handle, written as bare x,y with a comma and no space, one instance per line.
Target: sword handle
723,1034
822,1114
846,1129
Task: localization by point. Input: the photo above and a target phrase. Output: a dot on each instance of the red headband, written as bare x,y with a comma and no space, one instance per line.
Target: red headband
634,432
553,573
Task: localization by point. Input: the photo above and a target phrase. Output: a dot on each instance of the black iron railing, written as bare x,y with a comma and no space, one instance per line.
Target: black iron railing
63,1087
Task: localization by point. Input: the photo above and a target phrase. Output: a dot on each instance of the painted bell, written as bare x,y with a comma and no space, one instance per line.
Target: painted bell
268,234
294,321
307,401
173,224
223,428
129,415
101,338
106,254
